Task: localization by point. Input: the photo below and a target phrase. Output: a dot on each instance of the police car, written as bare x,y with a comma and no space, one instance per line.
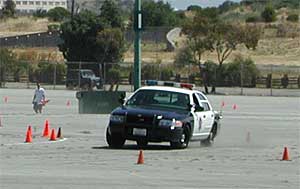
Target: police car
172,113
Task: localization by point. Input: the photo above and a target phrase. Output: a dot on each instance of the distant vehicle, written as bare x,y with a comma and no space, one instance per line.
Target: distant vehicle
164,114
84,77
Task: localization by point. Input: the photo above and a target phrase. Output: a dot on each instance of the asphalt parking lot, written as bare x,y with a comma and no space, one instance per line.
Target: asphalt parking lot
247,153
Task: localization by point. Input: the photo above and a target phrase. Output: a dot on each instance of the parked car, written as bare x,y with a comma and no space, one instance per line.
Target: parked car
84,78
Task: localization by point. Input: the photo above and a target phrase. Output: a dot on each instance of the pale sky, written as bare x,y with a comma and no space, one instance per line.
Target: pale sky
183,4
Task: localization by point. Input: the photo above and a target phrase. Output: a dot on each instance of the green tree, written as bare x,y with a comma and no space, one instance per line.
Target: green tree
9,8
157,14
110,45
79,36
293,18
7,64
58,14
269,15
111,13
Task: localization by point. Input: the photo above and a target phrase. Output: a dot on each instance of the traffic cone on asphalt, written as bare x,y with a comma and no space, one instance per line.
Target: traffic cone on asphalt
28,135
46,132
141,158
5,99
223,104
59,133
285,156
68,103
53,136
234,107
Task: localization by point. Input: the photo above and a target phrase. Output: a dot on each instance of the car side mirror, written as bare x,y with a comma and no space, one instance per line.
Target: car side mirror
122,99
198,108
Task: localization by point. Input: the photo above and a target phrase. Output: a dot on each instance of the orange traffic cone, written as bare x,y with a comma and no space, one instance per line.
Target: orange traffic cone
234,106
223,104
285,156
5,99
53,136
68,103
46,132
141,158
28,135
59,133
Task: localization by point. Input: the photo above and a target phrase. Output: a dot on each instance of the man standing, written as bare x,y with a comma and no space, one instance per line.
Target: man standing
38,100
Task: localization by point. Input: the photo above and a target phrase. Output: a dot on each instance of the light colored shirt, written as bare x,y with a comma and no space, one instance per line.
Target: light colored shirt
39,96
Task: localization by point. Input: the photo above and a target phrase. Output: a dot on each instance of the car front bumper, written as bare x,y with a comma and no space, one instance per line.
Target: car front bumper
153,133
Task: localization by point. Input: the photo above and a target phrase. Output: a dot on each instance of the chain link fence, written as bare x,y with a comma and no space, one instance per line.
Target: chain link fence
269,80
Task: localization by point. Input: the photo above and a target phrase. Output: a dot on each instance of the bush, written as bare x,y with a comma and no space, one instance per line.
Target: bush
44,72
58,14
249,72
269,15
252,19
166,73
293,18
40,13
53,27
150,72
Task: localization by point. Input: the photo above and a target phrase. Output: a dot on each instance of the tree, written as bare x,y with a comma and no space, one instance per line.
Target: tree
156,14
79,36
111,13
110,45
9,8
269,14
58,14
7,64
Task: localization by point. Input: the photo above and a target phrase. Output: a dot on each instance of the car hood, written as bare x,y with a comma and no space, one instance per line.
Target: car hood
150,112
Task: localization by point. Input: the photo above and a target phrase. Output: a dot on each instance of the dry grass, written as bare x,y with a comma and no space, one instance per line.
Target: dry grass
22,25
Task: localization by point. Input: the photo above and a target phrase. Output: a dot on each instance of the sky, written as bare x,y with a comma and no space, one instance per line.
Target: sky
183,4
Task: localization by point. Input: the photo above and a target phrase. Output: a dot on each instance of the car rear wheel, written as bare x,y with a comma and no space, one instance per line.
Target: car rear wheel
184,141
114,140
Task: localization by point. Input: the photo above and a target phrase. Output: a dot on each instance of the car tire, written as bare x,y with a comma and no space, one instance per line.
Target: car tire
114,140
210,139
184,141
142,143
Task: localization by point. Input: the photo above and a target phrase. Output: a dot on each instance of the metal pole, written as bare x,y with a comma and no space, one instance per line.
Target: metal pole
242,82
271,82
54,76
137,45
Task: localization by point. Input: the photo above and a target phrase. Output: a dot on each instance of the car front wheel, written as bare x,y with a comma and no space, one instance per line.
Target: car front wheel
184,140
114,140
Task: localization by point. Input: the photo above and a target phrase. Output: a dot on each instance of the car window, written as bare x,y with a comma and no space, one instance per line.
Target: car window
166,99
201,97
205,106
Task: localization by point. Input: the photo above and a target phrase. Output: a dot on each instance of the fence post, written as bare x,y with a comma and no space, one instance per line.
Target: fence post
242,78
79,82
271,81
28,74
54,75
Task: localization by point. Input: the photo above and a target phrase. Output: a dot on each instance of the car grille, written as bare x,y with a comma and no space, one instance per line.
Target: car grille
139,119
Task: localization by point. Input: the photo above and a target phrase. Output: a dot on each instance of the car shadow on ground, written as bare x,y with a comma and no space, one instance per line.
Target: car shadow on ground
135,147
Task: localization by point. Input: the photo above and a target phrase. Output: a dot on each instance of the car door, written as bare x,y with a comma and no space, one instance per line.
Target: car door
199,122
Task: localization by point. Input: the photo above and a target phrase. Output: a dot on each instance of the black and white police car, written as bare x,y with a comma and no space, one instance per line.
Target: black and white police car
163,114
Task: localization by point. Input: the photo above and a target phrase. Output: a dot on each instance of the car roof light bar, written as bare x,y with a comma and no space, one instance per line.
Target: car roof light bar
169,84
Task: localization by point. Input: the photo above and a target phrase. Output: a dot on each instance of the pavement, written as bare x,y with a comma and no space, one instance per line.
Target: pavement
247,154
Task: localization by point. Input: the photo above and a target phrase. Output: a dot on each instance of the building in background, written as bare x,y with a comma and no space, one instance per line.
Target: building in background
31,6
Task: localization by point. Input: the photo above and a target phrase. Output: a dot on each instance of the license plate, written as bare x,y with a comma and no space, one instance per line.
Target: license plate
139,132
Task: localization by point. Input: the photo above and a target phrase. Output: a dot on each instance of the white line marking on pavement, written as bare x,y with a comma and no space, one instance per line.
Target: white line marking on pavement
45,142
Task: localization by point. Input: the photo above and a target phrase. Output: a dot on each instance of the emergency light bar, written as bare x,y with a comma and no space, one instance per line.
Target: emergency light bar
169,84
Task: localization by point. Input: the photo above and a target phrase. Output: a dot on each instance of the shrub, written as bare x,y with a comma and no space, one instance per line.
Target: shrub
40,13
252,19
293,18
58,14
150,72
269,15
166,73
53,27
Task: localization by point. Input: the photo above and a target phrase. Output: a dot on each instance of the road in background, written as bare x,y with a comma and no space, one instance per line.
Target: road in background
246,154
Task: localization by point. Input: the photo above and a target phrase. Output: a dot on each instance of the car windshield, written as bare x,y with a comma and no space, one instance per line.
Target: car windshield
87,74
160,99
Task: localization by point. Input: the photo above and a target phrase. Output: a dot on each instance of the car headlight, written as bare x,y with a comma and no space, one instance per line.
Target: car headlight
170,123
117,118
